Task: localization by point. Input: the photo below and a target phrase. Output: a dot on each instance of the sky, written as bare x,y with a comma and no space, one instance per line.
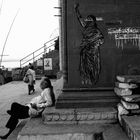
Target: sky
34,25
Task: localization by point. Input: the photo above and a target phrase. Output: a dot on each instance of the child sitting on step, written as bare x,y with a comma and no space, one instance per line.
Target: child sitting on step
32,109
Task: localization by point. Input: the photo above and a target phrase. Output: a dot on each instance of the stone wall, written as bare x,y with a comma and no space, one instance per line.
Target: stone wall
119,54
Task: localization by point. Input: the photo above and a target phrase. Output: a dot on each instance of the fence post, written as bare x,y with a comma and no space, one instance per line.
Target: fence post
20,63
33,57
44,48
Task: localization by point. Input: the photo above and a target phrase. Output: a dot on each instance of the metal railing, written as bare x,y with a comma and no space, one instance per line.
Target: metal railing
32,57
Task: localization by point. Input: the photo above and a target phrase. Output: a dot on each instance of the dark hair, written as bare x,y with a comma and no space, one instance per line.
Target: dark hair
92,17
31,67
47,83
46,79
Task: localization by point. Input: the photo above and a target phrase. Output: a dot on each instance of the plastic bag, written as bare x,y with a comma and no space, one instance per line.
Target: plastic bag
26,79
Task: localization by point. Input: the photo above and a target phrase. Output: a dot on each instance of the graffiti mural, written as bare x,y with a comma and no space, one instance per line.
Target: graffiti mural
89,48
124,35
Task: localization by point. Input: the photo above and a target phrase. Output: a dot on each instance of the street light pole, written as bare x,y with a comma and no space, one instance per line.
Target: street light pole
7,37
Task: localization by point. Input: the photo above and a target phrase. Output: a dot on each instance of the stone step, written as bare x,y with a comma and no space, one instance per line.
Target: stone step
79,116
115,133
89,95
35,129
88,103
131,125
87,99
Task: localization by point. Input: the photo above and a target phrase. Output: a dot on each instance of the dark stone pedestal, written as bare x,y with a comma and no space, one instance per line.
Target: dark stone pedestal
87,98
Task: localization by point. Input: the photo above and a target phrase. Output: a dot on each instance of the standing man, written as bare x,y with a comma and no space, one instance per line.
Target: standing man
31,76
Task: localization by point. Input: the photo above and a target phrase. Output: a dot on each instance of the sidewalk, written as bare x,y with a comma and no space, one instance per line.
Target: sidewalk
16,91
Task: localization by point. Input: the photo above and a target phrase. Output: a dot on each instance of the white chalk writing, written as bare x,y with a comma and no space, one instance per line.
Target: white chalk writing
124,35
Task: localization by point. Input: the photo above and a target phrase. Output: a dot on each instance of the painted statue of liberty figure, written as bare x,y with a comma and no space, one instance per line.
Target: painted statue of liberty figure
89,48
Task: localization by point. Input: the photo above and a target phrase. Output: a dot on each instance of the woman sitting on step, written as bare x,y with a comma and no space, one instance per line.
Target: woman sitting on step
32,109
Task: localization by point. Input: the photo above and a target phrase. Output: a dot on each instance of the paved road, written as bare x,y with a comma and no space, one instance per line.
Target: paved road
17,91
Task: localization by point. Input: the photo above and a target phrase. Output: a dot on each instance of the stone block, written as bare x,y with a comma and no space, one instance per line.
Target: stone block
125,85
131,125
36,130
128,78
115,133
79,116
26,137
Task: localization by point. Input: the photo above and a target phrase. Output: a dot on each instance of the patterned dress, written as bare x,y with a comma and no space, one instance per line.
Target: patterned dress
90,54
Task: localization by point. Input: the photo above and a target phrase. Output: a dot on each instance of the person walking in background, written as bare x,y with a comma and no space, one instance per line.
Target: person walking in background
31,76
32,109
2,79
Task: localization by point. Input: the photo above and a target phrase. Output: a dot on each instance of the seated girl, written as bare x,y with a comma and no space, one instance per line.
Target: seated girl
32,109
